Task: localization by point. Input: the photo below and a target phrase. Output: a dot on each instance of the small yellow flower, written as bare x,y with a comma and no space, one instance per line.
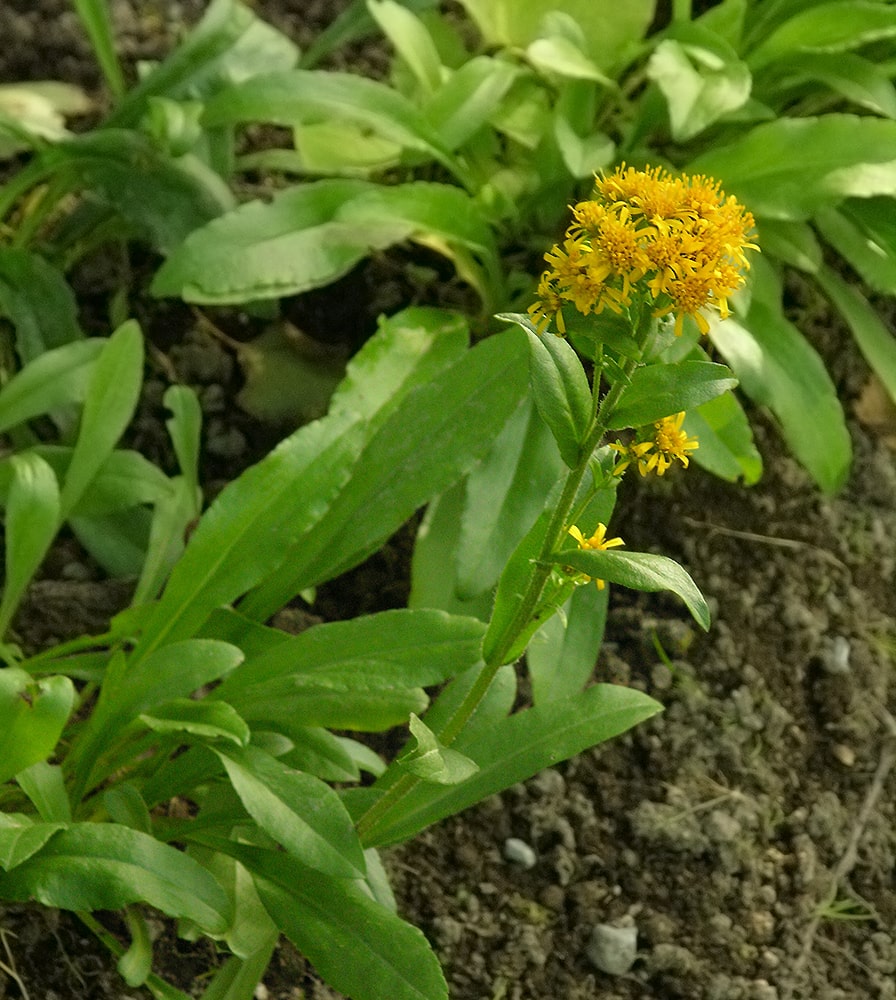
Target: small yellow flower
598,541
629,453
670,442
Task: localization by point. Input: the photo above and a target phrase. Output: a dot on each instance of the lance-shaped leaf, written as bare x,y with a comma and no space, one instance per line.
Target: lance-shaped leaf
430,760
103,866
20,837
726,441
657,391
864,232
207,720
639,571
298,810
32,716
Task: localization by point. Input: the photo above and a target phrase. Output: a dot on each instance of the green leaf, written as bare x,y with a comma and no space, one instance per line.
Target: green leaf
312,234
875,340
126,806
335,704
185,430
726,442
44,784
411,40
357,945
434,436
469,98
108,408
431,761
95,17
777,368
206,719
103,866
864,232
32,520
516,748
794,243
39,303
135,965
793,167
54,379
505,493
827,27
657,391
297,96
299,811
640,571
20,838
560,389
392,649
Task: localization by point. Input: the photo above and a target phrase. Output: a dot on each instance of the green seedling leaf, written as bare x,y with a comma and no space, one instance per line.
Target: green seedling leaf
435,435
658,391
108,408
298,96
135,965
505,493
20,838
310,235
104,866
431,761
864,232
332,704
793,167
727,448
875,340
185,430
299,811
837,26
357,945
392,649
172,517
32,520
97,23
39,303
777,368
469,98
559,387
126,806
517,747
206,720
55,379
44,784
411,40
639,571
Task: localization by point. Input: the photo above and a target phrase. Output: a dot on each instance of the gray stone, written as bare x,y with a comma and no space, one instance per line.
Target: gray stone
613,949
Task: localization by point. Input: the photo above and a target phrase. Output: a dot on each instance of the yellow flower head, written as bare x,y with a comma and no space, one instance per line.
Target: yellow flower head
669,442
598,541
677,242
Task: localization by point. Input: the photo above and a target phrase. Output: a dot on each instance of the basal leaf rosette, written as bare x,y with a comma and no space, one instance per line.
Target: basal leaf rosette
675,244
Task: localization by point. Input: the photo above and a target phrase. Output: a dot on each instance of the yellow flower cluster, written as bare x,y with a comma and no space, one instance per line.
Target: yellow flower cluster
677,242
669,442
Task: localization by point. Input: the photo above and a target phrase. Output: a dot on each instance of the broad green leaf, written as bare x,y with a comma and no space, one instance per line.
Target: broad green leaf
793,167
515,749
322,754
299,811
430,760
33,714
108,408
357,945
794,243
828,27
335,704
392,649
469,98
778,368
97,23
875,340
104,866
312,234
44,784
54,379
297,96
229,45
435,435
639,571
411,40
560,55
699,86
32,520
20,838
37,300
726,442
562,654
251,526
126,806
560,389
118,540
864,232
657,391
205,719
505,493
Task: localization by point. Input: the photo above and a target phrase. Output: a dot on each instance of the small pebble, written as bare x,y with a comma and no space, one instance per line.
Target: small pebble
844,754
518,852
835,655
613,949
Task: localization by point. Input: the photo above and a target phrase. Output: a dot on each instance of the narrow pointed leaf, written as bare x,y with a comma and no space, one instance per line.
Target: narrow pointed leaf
658,391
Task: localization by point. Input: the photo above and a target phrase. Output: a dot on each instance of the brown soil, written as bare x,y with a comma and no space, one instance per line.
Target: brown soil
745,836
